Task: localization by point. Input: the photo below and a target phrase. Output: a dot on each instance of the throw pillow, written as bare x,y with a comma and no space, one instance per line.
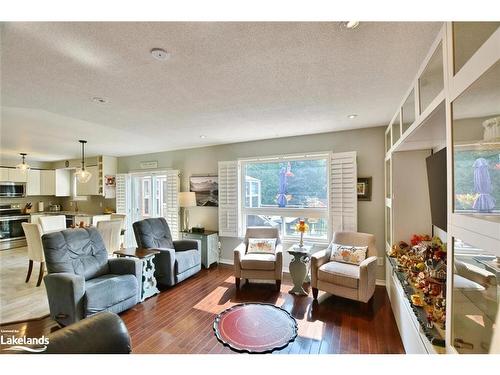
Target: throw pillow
261,246
348,254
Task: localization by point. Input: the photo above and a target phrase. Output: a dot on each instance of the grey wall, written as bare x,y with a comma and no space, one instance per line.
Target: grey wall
369,144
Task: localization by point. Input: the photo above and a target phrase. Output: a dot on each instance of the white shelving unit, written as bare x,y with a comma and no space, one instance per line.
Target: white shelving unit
442,89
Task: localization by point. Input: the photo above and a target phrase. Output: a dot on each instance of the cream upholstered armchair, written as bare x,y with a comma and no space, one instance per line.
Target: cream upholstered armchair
356,282
259,266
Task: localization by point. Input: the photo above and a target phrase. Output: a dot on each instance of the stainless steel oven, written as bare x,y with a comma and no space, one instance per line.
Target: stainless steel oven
12,189
11,230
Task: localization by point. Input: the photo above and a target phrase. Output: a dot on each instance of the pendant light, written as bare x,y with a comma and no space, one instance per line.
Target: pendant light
23,167
82,175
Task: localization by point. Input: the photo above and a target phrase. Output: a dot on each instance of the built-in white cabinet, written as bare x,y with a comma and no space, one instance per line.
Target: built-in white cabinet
4,174
48,182
106,166
33,182
13,175
92,186
62,182
453,104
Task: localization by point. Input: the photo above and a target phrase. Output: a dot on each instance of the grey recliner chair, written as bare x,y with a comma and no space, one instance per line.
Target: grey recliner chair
82,281
177,260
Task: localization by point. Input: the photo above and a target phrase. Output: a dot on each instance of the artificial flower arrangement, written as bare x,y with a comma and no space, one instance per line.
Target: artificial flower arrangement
301,227
424,265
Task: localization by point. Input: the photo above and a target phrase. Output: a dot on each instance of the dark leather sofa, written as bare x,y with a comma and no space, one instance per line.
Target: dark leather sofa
102,333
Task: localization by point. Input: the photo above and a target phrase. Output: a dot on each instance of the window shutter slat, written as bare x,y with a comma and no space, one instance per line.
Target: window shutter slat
343,196
124,205
228,198
172,202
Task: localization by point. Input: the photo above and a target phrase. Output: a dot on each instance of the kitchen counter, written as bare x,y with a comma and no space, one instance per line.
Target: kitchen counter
67,213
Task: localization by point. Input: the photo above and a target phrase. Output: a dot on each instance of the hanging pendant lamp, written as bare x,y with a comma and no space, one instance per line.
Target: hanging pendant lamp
82,175
23,166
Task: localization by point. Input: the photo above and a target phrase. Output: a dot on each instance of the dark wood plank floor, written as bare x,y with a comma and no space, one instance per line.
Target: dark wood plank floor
179,319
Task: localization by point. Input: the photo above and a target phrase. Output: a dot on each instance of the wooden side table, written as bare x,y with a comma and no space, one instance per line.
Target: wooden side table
299,267
148,268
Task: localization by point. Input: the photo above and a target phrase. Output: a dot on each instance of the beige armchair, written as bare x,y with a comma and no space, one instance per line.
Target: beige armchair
258,266
343,279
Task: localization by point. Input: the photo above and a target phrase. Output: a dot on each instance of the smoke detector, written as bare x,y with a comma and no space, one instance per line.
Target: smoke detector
160,54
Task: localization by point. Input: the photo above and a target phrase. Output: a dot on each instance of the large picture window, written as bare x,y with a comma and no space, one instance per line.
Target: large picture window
280,191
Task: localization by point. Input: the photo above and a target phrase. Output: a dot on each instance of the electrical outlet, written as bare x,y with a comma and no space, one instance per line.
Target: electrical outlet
380,261
100,204
71,204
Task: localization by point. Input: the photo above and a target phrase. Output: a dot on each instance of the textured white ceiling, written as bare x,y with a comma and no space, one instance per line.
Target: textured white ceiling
229,81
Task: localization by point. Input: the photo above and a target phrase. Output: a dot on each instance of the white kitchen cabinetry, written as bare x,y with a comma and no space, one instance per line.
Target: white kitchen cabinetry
4,174
106,166
33,183
48,182
92,186
13,175
62,182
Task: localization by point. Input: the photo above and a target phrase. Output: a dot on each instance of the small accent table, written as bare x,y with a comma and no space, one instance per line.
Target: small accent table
148,268
299,267
209,241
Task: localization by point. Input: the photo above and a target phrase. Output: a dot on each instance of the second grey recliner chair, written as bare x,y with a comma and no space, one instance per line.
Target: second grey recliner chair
82,281
177,260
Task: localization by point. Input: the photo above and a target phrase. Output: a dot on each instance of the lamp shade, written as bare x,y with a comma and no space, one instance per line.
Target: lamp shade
187,199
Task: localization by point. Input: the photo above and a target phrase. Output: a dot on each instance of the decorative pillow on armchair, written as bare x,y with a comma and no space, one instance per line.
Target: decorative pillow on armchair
348,254
261,246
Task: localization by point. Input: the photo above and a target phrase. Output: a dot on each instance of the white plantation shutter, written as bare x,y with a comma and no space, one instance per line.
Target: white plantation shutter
343,195
172,201
228,199
124,205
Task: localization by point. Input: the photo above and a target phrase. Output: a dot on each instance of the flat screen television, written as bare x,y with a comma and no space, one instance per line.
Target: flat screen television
436,178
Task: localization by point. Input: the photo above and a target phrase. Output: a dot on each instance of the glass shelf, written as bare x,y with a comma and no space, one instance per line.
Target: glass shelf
468,37
476,147
431,82
475,298
408,112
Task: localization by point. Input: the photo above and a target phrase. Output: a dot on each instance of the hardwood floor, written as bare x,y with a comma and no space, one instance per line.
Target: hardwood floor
20,300
179,319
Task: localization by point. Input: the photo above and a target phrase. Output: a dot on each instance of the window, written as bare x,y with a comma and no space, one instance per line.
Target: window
280,191
146,196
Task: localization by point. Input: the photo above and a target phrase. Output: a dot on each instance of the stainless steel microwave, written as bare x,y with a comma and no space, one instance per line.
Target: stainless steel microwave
12,189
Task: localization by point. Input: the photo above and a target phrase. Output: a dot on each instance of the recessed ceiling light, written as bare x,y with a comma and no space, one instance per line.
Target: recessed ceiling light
160,54
203,136
352,116
99,100
351,24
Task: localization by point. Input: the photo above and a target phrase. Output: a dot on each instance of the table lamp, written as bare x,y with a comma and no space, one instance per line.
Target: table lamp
186,199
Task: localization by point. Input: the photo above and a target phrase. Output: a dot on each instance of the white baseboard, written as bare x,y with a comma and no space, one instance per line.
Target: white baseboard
230,262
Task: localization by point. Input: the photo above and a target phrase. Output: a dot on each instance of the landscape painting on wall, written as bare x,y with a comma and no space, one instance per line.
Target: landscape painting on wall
206,189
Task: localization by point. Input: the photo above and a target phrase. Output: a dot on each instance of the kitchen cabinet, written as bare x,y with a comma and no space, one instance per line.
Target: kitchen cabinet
62,182
12,175
16,175
92,186
106,166
4,174
33,183
48,182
